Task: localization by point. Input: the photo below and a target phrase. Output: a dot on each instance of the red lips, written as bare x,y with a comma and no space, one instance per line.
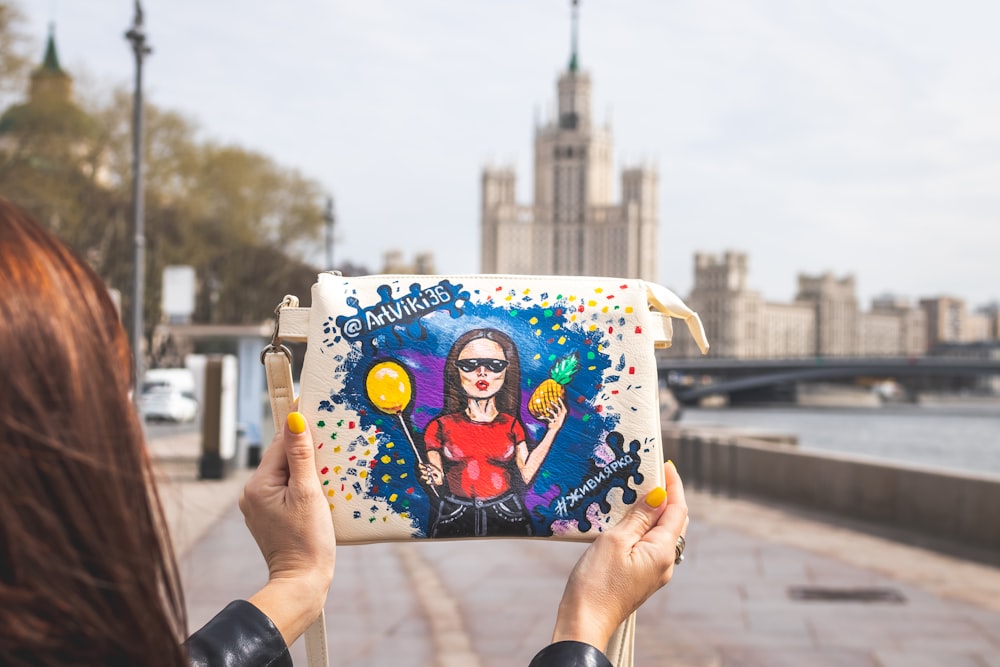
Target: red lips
482,385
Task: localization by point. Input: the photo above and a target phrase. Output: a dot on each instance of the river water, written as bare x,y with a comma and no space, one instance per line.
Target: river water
949,437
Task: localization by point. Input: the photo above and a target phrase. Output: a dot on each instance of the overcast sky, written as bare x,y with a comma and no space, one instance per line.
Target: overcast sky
857,136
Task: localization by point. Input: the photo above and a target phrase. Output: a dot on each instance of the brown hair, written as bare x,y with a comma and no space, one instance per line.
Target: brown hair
508,399
87,574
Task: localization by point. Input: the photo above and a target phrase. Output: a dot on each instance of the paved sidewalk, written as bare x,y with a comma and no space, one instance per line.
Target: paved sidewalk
492,604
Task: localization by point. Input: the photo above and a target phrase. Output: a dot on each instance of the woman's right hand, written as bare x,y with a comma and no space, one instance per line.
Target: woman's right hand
623,566
431,474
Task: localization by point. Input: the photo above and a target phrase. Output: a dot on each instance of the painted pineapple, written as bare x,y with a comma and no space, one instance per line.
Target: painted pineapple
547,395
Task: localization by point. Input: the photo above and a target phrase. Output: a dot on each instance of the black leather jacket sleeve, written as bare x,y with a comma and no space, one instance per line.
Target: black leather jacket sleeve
570,654
239,636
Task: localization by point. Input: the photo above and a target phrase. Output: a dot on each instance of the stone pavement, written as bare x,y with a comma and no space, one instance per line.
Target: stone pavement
761,585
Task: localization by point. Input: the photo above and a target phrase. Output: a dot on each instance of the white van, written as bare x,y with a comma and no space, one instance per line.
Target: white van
168,395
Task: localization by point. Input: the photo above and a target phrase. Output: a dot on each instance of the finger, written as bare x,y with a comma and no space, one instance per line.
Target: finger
299,451
273,462
643,515
674,519
675,516
675,486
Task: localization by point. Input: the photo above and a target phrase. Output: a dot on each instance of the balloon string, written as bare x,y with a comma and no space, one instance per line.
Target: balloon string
413,445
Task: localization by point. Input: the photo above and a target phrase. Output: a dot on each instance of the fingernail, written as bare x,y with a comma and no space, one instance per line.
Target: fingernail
296,422
672,464
656,497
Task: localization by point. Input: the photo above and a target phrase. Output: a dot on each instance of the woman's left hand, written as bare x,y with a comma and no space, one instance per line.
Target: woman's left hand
289,517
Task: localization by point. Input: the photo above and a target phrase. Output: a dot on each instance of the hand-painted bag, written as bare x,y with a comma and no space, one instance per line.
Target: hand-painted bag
482,406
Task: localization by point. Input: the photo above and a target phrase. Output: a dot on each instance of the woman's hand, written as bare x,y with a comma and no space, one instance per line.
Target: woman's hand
623,566
431,474
286,512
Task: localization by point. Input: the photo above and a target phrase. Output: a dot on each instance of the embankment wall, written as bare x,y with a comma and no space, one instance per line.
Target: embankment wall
963,509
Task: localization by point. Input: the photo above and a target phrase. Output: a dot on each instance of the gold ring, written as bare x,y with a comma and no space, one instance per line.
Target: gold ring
679,550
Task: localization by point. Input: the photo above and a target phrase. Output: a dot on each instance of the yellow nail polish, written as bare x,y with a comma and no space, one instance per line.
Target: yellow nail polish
672,464
656,497
296,422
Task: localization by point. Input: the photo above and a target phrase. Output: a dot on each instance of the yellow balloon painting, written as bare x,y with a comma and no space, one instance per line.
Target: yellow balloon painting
388,387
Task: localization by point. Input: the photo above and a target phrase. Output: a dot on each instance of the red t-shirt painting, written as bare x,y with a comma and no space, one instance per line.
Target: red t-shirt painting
477,456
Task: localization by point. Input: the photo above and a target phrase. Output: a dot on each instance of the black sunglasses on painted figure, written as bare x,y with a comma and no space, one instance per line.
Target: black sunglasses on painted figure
470,365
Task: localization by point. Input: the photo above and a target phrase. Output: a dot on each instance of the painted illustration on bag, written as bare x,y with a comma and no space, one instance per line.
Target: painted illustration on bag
474,413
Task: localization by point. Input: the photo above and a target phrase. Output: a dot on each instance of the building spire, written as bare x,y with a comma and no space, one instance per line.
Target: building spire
51,60
573,60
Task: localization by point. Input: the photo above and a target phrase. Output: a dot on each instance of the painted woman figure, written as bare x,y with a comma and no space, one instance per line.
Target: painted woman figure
478,457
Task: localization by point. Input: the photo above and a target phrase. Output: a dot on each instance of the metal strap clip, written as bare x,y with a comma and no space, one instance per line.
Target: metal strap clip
275,346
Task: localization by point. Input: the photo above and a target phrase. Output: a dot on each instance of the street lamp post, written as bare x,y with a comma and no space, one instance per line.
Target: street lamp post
137,36
329,219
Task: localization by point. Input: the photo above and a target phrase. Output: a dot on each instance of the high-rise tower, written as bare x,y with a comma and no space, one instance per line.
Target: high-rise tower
573,227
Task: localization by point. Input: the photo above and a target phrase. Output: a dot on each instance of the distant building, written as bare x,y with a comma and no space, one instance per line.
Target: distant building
945,319
739,322
824,319
50,112
394,263
835,305
949,321
573,227
893,327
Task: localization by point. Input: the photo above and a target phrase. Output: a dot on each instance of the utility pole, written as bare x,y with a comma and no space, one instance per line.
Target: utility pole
136,35
329,219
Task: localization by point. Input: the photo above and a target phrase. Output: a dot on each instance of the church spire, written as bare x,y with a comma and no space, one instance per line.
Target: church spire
51,60
573,60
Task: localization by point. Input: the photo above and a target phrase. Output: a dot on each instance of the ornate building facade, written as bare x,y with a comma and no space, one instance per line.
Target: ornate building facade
823,320
573,227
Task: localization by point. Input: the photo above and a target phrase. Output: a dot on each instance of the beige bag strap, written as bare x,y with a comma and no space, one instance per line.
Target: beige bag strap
277,360
621,648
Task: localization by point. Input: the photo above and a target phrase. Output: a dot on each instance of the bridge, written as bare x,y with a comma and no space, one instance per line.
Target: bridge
735,375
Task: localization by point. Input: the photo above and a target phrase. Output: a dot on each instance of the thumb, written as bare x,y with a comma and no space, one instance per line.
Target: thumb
299,451
642,516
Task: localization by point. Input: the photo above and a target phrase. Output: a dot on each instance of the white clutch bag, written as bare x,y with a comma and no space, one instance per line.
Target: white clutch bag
480,406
